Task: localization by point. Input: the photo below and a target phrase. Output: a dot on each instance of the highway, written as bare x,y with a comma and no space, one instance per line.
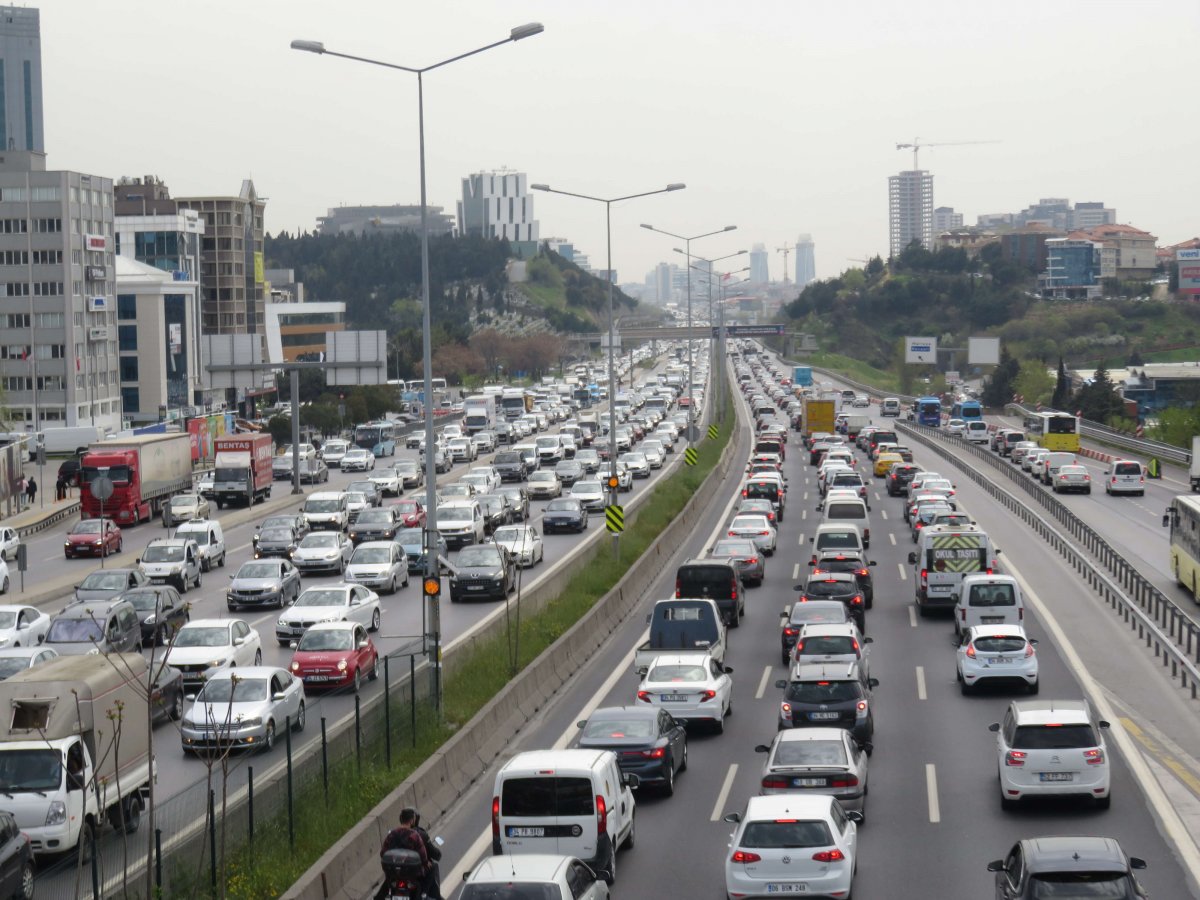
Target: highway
933,814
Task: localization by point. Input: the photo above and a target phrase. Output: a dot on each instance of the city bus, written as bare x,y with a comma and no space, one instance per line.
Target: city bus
1054,430
967,410
928,411
1183,518
378,437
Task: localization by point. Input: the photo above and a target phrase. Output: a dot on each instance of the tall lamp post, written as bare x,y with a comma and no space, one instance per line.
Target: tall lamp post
712,343
687,243
432,584
721,328
612,366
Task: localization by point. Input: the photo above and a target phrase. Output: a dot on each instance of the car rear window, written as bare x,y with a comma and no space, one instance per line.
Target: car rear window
546,796
704,581
1014,436
845,511
999,644
838,540
1128,468
830,588
823,691
810,753
1080,886
511,890
993,595
1053,737
828,643
781,835
805,613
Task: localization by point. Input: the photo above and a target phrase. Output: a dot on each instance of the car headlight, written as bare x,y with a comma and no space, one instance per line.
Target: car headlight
250,723
150,619
334,554
354,535
341,665
229,595
56,813
295,667
217,663
282,623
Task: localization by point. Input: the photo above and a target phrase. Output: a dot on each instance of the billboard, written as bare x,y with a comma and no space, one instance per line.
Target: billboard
983,351
1189,272
920,350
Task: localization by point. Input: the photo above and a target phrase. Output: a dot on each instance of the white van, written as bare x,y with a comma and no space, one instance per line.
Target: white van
889,407
837,537
988,600
565,802
1053,462
977,432
946,554
1125,476
209,538
843,510
327,509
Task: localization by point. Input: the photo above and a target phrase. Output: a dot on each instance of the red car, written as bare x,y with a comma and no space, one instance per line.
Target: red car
411,513
93,537
335,654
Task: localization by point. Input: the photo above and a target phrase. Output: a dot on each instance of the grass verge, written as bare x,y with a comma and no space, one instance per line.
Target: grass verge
856,370
271,865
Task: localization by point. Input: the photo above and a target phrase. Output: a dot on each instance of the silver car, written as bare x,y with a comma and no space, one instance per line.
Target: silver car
755,528
323,551
263,582
817,761
244,707
183,507
382,565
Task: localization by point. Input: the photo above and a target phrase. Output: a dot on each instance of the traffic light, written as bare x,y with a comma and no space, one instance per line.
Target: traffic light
613,482
432,587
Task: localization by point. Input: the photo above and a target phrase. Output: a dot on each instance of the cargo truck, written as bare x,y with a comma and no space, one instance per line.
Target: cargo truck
75,748
802,376
243,469
515,402
145,471
479,413
818,416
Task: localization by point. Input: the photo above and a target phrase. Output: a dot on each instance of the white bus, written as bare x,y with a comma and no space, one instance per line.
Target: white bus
1183,518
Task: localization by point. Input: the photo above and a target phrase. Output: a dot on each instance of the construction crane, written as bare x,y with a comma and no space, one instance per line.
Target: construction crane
916,146
785,250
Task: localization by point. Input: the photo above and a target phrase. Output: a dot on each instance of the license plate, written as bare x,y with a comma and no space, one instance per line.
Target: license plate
672,698
823,715
474,587
1056,776
998,660
992,620
514,831
316,677
794,888
808,782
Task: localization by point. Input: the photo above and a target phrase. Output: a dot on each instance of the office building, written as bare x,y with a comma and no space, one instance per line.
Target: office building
1027,245
58,356
363,220
806,263
910,210
497,205
1092,215
20,79
759,272
946,219
1055,213
1072,268
663,283
1130,252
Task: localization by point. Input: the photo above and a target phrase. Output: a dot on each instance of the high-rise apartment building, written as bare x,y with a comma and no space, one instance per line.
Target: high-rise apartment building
58,340
20,79
497,205
910,210
759,272
946,219
806,264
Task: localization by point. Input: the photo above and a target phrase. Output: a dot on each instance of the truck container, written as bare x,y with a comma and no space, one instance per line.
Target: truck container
69,439
479,413
243,468
75,748
802,376
145,472
1194,472
854,423
818,416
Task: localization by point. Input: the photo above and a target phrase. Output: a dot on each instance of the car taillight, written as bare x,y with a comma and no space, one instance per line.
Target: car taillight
847,781
791,632
764,533
861,573
971,651
1015,758
678,587
707,695
1062,477
856,600
1093,757
744,494
1028,650
773,782
860,708
752,560
829,856
644,696
656,753
601,815
745,856
495,817
785,710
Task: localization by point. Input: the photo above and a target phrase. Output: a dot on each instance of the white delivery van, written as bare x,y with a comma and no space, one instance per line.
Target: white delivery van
977,431
837,537
988,600
889,407
209,538
565,802
846,510
1055,461
327,509
945,554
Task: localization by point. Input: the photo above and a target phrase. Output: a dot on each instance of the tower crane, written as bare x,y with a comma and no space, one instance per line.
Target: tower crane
916,146
785,250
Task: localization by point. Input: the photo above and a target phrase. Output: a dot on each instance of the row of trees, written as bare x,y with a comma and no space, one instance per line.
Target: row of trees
1098,400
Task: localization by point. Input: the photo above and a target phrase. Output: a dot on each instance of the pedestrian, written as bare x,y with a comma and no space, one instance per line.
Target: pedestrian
60,489
22,488
32,491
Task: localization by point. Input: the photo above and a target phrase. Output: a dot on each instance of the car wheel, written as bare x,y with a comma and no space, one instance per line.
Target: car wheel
630,838
668,786
375,620
175,713
221,561
374,673
162,637
258,657
269,738
298,725
26,890
120,545
198,579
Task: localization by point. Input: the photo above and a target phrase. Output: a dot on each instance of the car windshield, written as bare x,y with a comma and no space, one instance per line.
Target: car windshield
320,597
410,537
373,516
478,556
202,636
162,553
371,555
71,631
326,639
112,580
455,514
11,665
823,691
278,522
1079,886
675,672
809,753
542,476
587,487
785,833
406,508
30,770
563,505
319,540
233,690
356,498
510,535
1053,737
8,618
276,534
182,502
321,506
335,447
406,468
91,526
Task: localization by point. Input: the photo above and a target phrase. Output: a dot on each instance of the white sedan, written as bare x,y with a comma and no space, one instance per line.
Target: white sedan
323,550
690,686
524,542
589,492
9,542
332,603
655,453
1001,654
358,459
204,644
492,480
755,528
22,626
956,427
387,481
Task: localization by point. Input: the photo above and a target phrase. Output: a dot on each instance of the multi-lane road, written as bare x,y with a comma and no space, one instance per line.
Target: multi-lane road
934,817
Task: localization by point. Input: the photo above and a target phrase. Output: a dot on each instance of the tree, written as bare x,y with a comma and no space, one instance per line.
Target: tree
491,345
1099,400
281,429
1033,382
457,361
1062,387
999,388
1135,359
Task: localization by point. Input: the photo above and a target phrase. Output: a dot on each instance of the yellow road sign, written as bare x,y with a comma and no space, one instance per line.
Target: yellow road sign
689,456
614,518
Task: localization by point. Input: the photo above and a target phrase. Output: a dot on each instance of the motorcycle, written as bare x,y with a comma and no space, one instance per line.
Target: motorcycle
403,878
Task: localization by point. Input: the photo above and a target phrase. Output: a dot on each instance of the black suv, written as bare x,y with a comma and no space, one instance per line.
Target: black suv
841,586
511,466
718,580
829,695
899,477
1048,866
483,571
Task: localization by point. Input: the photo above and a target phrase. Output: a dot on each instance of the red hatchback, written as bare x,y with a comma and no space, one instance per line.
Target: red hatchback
411,513
335,654
93,537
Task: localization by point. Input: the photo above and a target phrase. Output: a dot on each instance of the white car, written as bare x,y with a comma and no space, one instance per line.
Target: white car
829,644
462,450
589,492
792,845
654,452
524,542
956,427
358,459
537,875
1072,478
637,462
544,485
22,626
491,478
333,452
328,603
323,551
690,686
999,654
382,565
246,708
387,481
755,528
204,644
1051,748
356,502
4,580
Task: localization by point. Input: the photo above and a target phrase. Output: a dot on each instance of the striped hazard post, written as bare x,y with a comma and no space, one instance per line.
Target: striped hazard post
713,432
689,456
614,518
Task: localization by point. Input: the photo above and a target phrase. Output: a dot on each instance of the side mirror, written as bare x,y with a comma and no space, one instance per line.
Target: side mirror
994,728
996,865
581,723
733,818
762,748
868,640
1103,724
871,563
872,683
728,670
190,698
1136,862
866,747
294,644
630,780
1166,520
781,684
1033,641
137,561
912,558
279,696
855,816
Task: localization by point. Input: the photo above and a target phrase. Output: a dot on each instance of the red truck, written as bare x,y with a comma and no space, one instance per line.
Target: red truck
243,468
145,471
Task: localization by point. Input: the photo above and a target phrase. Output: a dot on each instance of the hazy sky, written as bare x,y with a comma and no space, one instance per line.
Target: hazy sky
781,117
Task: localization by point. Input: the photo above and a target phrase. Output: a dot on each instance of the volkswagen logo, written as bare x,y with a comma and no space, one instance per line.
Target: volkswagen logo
787,860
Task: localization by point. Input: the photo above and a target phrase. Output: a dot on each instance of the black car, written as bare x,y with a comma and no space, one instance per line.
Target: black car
16,859
564,514
837,586
899,477
276,541
829,696
511,466
297,523
496,512
647,741
161,611
856,565
1068,867
482,571
167,693
375,525
518,501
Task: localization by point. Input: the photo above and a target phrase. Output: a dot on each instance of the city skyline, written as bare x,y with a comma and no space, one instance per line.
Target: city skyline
314,133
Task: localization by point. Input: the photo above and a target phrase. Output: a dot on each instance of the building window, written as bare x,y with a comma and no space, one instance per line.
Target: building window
46,194
47,226
28,67
17,320
129,368
14,226
126,307
127,337
131,399
47,257
48,319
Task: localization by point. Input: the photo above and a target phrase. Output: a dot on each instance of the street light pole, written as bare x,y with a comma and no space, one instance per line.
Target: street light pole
432,570
612,368
687,243
714,360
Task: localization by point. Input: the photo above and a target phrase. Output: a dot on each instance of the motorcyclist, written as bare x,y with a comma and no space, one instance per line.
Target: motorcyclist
407,836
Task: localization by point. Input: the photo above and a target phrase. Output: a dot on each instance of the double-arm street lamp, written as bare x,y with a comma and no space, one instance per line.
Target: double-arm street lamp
708,268
432,571
717,362
612,367
687,243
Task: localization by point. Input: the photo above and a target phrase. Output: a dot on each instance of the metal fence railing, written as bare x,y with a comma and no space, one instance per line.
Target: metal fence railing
1168,630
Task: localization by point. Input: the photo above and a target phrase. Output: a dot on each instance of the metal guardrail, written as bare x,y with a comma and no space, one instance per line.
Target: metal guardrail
1171,633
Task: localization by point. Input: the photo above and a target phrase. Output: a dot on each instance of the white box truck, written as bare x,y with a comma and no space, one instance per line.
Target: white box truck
479,413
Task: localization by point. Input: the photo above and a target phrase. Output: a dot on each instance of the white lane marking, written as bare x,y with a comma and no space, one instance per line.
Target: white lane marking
762,684
804,513
892,538
795,571
903,574
721,797
912,616
805,495
931,788
921,681
883,512
239,547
